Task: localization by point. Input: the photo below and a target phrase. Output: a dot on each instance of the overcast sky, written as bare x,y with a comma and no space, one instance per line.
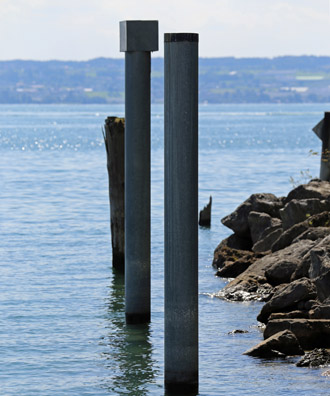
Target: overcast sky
86,29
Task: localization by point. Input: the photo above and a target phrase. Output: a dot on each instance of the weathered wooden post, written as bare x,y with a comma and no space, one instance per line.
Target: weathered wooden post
181,212
137,40
114,139
205,215
322,130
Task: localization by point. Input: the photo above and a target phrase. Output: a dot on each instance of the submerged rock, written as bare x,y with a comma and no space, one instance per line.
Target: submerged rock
237,331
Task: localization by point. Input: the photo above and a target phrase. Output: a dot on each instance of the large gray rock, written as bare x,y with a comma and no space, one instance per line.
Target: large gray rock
314,189
302,268
311,333
320,258
234,241
288,298
267,239
290,315
226,255
320,312
284,342
238,220
231,269
322,284
288,236
313,234
254,277
316,261
296,211
259,222
281,271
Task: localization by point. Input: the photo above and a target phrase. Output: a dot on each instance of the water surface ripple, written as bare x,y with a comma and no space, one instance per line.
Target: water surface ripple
62,326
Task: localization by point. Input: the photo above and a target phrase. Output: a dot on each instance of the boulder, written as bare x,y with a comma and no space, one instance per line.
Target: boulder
254,276
231,269
281,271
322,284
315,358
320,312
284,342
233,245
314,189
267,239
288,297
320,258
297,211
225,255
302,268
247,290
313,234
288,236
290,315
238,220
319,220
311,333
259,222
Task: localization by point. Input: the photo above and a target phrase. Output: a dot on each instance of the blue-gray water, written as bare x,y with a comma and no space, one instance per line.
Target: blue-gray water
62,327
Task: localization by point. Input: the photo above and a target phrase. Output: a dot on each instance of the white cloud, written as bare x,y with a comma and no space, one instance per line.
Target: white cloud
83,29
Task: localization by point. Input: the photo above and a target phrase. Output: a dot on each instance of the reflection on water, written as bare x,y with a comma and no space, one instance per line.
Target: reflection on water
129,350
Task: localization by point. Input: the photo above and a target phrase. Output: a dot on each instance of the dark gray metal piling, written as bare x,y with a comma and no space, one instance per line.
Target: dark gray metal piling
181,212
137,40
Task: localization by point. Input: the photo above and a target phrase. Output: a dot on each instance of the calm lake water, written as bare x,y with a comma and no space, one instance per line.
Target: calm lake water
62,324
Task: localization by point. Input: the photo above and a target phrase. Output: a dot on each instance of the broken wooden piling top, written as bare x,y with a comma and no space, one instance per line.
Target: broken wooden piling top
114,139
205,215
322,131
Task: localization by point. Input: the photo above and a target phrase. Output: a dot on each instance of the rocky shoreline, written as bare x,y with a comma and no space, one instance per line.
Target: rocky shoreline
279,253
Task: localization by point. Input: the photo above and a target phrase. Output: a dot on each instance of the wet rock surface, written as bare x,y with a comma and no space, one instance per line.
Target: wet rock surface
316,358
280,254
311,333
284,342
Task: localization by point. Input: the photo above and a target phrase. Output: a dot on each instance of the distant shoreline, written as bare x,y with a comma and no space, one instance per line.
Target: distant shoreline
285,79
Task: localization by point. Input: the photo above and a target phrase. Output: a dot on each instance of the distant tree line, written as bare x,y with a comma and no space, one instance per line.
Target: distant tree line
284,79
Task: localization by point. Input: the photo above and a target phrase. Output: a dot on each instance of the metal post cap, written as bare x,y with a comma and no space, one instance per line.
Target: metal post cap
138,36
179,37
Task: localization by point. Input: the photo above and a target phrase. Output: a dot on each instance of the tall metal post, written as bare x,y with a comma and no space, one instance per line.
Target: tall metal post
181,212
137,40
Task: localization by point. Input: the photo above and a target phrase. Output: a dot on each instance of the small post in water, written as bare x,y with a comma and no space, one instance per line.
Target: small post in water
181,212
322,130
137,40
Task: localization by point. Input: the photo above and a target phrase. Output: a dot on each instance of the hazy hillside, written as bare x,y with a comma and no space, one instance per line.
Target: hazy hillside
222,80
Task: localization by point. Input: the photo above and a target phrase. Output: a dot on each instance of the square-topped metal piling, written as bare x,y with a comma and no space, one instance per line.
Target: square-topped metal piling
138,36
137,40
